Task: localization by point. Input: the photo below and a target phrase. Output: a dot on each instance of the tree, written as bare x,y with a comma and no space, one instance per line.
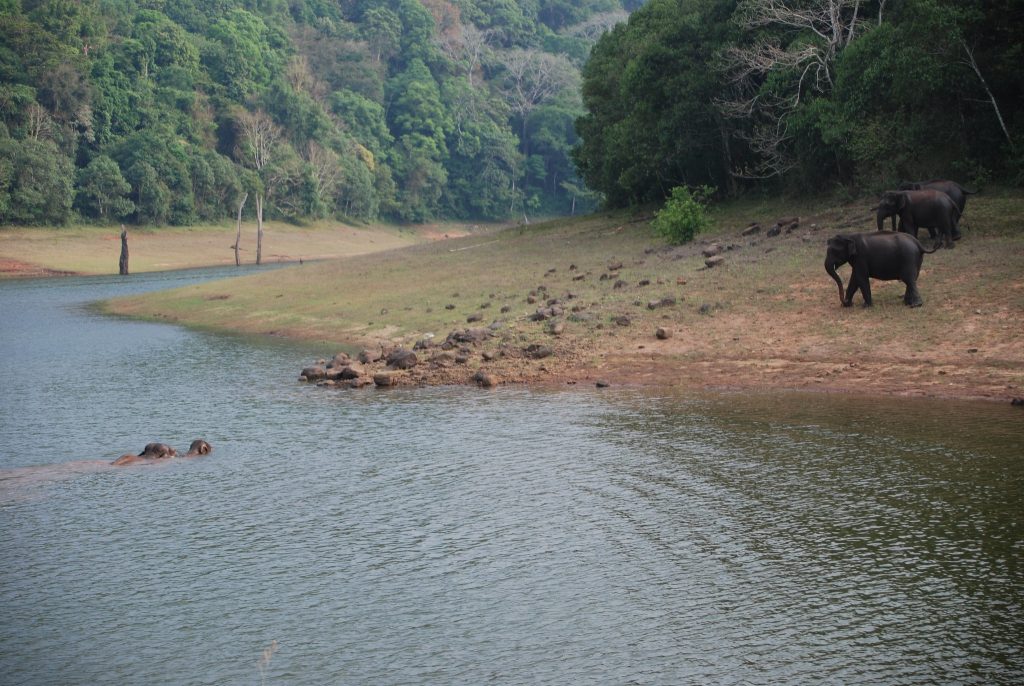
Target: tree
793,51
35,182
650,123
102,191
258,138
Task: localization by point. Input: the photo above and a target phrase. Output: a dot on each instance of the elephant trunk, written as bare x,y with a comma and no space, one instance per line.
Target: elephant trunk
830,268
880,218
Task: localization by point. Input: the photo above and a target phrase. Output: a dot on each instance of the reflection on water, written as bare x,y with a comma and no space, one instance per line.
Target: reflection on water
460,536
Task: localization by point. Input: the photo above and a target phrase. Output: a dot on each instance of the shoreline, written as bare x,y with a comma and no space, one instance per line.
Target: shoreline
602,298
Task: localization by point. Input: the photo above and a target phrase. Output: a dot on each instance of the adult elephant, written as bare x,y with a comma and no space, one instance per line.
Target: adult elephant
883,255
921,209
957,193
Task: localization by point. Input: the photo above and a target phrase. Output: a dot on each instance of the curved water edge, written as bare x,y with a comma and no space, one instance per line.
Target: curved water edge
451,535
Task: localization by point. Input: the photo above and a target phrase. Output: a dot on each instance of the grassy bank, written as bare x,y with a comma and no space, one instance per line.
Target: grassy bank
95,250
769,316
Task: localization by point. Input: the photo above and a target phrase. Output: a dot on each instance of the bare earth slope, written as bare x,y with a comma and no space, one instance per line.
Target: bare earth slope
767,317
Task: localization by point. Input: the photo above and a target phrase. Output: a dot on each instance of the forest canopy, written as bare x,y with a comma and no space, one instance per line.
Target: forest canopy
171,111
808,95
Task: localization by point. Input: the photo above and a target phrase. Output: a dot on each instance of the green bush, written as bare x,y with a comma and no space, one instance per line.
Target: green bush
684,214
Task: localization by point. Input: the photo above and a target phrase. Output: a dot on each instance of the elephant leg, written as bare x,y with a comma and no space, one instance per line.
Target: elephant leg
851,289
911,298
865,290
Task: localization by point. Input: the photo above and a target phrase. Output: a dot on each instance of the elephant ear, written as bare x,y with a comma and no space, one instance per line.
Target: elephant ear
901,202
851,245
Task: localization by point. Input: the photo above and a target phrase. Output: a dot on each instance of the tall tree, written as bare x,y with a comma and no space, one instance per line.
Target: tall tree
258,137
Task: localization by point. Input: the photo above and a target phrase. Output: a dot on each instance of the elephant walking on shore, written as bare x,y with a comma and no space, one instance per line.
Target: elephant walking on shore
883,255
921,209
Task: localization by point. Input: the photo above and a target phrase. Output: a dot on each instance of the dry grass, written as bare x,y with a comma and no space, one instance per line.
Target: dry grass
768,317
95,250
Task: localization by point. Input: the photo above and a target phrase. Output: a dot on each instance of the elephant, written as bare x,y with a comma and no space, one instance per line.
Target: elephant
884,255
957,193
917,209
199,447
157,452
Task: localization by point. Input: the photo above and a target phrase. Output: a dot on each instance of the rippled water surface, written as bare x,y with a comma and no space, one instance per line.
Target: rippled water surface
457,536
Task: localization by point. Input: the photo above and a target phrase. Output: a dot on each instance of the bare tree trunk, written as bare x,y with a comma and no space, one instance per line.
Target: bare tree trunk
992,98
259,229
238,230
122,265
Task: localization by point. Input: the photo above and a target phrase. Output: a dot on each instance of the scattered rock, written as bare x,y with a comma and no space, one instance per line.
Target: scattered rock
485,379
774,231
313,373
751,230
1017,402
619,284
714,261
712,250
475,317
367,356
449,306
400,358
383,379
557,328
644,282
614,266
662,333
353,371
621,320
667,301
474,336
538,351
601,383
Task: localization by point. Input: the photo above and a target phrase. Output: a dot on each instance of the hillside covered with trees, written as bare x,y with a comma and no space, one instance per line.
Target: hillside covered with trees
179,111
172,111
804,95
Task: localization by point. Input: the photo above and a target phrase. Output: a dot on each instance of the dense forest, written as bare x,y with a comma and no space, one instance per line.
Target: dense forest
807,96
173,111
183,111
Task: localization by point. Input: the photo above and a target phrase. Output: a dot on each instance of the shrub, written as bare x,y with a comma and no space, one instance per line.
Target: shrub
684,214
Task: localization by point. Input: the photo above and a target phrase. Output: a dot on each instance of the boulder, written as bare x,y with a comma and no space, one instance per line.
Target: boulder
751,230
715,261
662,333
367,356
712,250
667,301
485,379
400,358
314,373
383,379
538,351
352,371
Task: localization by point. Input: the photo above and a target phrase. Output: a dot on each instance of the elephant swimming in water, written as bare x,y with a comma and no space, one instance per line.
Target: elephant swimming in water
158,452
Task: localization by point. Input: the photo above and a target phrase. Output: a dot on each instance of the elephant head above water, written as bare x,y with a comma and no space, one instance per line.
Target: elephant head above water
159,452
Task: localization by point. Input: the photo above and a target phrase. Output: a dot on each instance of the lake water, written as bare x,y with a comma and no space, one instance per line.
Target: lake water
461,536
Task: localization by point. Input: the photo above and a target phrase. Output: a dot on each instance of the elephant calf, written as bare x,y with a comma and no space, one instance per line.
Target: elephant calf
883,255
